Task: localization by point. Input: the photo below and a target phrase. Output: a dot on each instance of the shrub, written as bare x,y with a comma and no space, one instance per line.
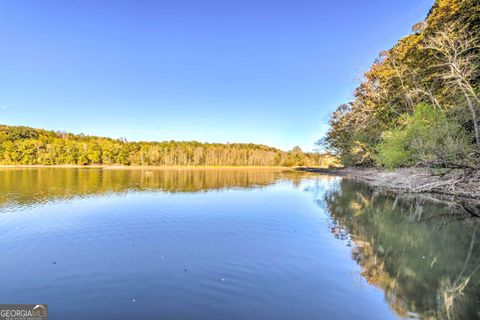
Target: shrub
426,137
392,151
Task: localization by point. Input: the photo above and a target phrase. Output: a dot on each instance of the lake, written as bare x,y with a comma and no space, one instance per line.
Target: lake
232,244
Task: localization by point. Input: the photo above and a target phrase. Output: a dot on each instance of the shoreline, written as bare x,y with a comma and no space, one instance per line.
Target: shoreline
448,182
463,183
119,167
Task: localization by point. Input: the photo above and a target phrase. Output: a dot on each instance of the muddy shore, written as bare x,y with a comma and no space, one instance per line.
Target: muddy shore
450,182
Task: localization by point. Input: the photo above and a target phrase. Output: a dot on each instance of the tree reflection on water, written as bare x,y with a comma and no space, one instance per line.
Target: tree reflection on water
423,251
36,185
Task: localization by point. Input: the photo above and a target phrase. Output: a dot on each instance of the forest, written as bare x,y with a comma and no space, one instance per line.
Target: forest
21,145
419,104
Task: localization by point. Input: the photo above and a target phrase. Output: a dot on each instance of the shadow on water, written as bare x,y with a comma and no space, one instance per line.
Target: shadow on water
424,252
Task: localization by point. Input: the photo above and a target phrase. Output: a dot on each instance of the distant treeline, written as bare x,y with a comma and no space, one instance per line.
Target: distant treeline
29,146
419,104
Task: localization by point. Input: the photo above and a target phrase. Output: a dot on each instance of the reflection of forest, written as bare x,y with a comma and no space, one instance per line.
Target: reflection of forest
25,186
424,254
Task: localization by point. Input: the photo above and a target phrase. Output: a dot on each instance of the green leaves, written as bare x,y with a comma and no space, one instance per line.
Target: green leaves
427,137
28,146
389,123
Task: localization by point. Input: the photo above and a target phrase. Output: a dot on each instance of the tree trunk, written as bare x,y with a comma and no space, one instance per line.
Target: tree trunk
474,115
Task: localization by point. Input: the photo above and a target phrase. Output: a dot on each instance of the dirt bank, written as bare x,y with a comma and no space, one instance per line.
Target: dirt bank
453,182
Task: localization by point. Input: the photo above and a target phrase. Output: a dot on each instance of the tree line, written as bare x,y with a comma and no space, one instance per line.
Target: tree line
29,146
419,104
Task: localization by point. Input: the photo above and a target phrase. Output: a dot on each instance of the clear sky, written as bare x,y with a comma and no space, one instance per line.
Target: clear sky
262,71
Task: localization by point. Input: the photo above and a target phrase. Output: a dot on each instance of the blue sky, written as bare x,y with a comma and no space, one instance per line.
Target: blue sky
262,71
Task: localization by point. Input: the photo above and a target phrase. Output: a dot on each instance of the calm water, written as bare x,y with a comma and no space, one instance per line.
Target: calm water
227,244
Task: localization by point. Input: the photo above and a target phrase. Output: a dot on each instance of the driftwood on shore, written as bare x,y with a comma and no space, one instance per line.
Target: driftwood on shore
455,182
458,188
